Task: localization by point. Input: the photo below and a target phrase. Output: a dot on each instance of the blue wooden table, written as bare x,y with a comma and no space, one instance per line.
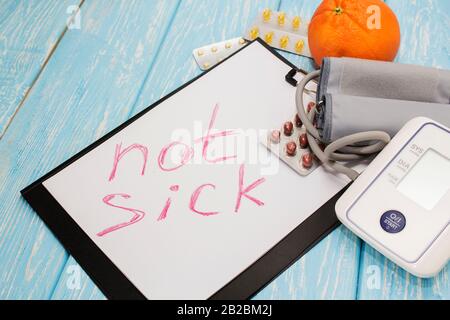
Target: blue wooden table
71,70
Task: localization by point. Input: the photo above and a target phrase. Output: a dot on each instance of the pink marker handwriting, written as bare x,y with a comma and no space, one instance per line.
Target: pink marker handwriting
210,137
243,191
120,153
194,199
165,210
138,215
187,155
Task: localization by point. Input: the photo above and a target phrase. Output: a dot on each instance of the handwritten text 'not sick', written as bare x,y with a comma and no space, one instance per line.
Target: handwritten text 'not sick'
187,154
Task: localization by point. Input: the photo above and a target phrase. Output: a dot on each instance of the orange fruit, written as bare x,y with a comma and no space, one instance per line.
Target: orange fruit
366,29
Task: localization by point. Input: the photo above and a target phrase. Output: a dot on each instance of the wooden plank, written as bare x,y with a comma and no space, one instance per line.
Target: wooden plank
425,29
74,283
25,44
29,30
197,23
425,26
89,86
328,271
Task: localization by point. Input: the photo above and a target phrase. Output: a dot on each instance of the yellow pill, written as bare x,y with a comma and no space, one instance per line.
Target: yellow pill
284,41
269,37
254,33
299,46
206,65
214,49
281,19
227,45
241,41
200,53
267,14
296,22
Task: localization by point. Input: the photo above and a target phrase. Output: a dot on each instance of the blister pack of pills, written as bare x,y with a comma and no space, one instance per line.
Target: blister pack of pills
290,144
281,31
210,55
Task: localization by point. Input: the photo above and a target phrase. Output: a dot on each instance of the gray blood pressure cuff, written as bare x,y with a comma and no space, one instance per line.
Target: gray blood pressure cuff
360,95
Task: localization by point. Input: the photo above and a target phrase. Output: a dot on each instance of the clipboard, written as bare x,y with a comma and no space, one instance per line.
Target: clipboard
114,282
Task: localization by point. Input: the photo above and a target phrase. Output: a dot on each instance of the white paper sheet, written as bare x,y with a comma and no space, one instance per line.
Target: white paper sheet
186,254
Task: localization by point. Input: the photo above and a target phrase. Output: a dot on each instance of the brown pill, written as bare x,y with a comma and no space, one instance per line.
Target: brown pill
303,141
307,161
288,128
298,121
275,136
291,149
322,146
311,105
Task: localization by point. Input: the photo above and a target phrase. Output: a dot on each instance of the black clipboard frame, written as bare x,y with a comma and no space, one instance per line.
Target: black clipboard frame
115,285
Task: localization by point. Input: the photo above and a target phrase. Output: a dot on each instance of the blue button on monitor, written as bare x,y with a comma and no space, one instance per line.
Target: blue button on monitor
393,221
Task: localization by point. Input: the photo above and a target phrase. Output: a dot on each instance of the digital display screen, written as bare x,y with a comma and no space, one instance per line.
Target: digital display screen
428,181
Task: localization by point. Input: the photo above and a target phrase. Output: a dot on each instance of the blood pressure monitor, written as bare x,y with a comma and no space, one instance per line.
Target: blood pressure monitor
400,204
